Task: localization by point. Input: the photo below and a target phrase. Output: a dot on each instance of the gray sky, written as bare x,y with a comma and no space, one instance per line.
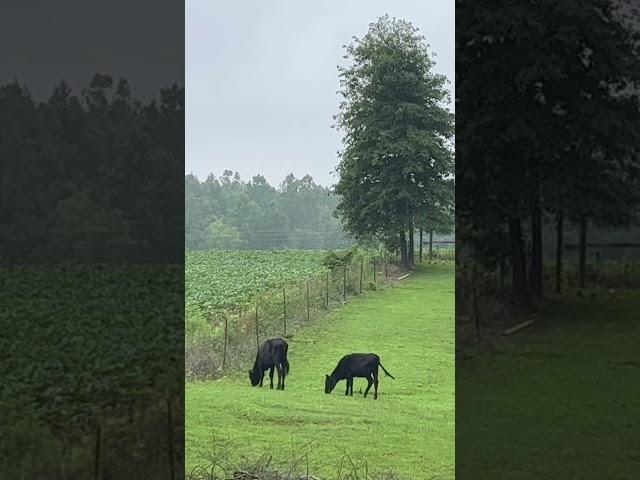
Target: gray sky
261,79
44,42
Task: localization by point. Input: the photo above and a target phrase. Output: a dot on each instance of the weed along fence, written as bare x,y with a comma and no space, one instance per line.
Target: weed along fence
232,335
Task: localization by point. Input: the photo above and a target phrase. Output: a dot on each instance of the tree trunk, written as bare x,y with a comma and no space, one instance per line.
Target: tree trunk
582,255
421,245
403,249
412,249
559,247
536,251
430,244
474,298
518,263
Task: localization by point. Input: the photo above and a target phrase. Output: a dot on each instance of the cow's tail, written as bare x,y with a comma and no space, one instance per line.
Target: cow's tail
387,373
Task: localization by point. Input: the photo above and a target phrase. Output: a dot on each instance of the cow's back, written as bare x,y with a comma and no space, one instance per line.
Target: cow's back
359,363
272,351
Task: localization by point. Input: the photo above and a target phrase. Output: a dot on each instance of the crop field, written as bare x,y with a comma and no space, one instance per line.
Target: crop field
226,278
74,330
220,279
409,429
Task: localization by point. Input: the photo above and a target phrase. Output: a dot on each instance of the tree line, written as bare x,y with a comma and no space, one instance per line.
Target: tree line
229,213
91,176
549,131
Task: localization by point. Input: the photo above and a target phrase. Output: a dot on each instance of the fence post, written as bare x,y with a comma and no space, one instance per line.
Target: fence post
308,311
430,244
224,355
385,268
284,308
96,473
361,273
374,269
327,293
257,335
420,245
344,283
170,438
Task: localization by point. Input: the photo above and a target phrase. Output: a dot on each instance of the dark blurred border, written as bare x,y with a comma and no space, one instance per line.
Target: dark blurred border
548,254
92,240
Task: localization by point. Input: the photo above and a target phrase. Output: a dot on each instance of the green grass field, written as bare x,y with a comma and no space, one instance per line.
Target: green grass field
561,400
409,429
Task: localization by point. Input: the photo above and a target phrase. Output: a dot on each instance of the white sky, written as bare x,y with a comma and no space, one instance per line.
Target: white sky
261,79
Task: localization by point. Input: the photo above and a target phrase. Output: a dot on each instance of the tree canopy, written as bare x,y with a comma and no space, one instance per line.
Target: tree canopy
92,176
228,213
396,164
549,126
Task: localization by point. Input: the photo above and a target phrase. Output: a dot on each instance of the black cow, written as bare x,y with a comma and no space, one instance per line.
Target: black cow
271,354
361,365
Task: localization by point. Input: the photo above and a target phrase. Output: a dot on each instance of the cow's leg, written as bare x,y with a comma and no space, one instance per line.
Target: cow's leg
284,374
279,370
261,377
346,392
375,386
369,383
271,377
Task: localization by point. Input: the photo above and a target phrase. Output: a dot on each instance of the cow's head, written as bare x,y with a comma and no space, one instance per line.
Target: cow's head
329,384
254,377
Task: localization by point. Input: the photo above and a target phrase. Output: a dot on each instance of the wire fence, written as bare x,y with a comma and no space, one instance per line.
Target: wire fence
138,439
232,335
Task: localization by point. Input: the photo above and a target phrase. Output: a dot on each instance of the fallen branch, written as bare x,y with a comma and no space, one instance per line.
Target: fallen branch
404,276
517,328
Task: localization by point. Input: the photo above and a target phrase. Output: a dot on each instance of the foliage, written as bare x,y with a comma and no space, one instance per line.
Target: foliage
333,260
232,278
223,237
256,216
549,126
98,347
397,158
90,177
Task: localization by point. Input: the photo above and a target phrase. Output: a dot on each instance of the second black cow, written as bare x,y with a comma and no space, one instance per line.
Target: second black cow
272,354
360,365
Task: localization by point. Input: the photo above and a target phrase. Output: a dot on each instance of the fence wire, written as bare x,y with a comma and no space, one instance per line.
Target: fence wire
232,336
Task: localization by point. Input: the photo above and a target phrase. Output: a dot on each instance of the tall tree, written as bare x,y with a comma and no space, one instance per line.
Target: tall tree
397,133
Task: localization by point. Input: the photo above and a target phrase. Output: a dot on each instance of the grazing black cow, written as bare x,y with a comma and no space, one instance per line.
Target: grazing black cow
271,354
361,365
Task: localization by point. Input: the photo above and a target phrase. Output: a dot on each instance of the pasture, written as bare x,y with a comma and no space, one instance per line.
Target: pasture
570,383
409,429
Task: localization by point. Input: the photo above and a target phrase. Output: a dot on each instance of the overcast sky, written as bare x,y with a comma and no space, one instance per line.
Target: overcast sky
44,42
261,79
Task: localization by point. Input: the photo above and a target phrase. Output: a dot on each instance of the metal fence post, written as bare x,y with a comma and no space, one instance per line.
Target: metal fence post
344,283
257,335
308,310
284,308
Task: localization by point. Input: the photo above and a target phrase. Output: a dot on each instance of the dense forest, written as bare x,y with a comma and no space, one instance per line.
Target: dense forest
90,176
227,212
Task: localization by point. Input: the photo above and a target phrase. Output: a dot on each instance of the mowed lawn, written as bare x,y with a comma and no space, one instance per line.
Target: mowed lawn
409,429
561,400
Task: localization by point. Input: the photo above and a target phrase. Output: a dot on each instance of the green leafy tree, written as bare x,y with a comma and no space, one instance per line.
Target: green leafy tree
397,151
220,236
